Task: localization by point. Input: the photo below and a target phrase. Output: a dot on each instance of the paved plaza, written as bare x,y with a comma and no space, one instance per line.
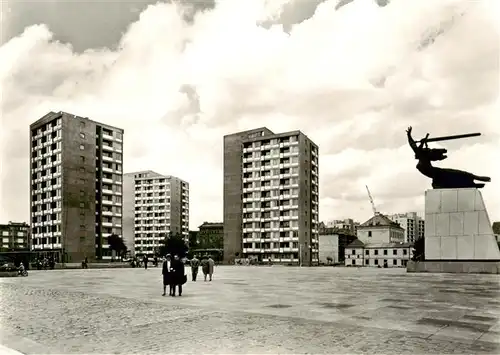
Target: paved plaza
252,310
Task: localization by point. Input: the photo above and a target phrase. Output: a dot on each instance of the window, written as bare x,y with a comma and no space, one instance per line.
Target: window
82,193
385,251
82,159
405,252
82,124
82,135
353,262
375,252
375,261
82,204
353,252
82,147
394,252
82,170
369,233
394,262
367,252
82,227
367,262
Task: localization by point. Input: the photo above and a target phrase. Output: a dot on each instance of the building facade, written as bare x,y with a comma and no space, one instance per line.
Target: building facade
271,197
380,229
378,254
211,236
76,171
15,237
332,244
412,223
155,206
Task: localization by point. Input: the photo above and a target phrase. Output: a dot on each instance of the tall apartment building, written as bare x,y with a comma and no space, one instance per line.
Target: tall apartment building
412,223
271,197
155,206
76,186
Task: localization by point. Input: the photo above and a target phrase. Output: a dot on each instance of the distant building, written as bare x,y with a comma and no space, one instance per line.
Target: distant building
348,225
377,254
380,229
15,237
211,236
75,187
155,206
271,197
332,245
412,223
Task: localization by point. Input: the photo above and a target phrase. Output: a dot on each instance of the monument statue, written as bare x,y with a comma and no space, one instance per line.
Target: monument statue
442,178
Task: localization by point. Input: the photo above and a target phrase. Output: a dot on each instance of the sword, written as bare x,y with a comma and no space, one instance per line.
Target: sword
447,138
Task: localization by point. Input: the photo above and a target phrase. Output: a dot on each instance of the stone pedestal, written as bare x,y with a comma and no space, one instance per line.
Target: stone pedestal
457,227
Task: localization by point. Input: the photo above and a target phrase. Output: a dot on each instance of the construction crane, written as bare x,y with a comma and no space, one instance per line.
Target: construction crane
371,201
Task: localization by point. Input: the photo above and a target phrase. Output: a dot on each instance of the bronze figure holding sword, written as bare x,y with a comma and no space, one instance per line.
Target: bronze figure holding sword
442,178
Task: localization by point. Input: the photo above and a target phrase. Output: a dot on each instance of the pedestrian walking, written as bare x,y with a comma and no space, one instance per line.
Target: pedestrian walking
145,261
195,264
204,266
167,275
179,278
211,264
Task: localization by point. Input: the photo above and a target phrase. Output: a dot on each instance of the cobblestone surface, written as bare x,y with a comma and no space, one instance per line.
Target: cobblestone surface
251,310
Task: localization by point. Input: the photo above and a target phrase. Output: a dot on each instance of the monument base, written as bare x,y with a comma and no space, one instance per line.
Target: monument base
457,227
455,267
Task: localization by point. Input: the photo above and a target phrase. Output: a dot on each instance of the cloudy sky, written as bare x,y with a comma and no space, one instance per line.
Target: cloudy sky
352,75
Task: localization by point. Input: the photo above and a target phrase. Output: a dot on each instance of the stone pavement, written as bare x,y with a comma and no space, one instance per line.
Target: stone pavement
252,310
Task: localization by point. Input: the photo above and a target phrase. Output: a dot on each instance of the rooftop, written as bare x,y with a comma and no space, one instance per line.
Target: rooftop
379,220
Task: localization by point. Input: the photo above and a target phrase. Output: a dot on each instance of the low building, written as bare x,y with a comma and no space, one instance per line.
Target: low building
332,244
209,240
377,254
380,229
15,237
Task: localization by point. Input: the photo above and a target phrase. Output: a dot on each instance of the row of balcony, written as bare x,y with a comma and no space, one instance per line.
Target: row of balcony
269,167
269,146
268,219
45,235
270,156
278,197
271,208
111,181
47,177
45,200
49,154
48,130
270,177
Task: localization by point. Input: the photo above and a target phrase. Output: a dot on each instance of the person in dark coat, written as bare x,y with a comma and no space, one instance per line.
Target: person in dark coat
178,275
167,274
195,264
145,261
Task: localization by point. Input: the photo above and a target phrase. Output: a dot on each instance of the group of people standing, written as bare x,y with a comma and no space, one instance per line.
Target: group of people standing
173,272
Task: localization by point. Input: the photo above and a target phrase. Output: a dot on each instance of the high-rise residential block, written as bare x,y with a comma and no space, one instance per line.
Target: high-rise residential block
412,223
271,197
155,206
76,186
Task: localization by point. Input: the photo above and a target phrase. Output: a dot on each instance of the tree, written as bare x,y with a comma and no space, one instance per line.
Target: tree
117,244
496,227
419,250
173,245
193,240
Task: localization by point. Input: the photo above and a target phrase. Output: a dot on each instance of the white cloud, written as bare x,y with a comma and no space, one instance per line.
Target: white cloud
351,79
